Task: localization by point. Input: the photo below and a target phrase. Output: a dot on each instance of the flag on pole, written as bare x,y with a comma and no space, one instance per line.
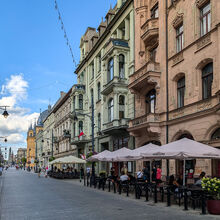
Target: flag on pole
81,134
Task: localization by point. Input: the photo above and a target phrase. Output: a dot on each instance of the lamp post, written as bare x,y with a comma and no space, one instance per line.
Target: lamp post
93,138
5,113
5,139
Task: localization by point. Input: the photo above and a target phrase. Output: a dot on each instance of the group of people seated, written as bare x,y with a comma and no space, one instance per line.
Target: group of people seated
68,170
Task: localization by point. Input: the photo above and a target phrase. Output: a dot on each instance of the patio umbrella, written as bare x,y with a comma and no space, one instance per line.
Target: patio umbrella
118,155
136,154
99,156
184,149
68,160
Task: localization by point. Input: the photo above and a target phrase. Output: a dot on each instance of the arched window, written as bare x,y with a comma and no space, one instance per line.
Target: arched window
207,78
110,70
110,110
99,91
189,136
216,134
151,101
80,126
80,101
99,122
180,92
121,106
121,66
74,102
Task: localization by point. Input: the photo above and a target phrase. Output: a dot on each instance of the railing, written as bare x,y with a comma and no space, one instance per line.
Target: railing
149,118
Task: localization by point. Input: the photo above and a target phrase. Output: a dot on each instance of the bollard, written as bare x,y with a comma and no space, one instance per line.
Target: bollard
146,193
203,203
109,185
155,193
87,179
114,187
168,196
127,187
185,200
162,194
119,188
103,185
84,179
179,195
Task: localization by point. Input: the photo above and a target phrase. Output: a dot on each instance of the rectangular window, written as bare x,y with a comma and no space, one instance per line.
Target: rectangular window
205,19
92,71
153,53
180,92
179,38
155,11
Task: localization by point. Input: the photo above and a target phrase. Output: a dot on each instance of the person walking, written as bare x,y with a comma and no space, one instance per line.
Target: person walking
39,171
158,176
1,169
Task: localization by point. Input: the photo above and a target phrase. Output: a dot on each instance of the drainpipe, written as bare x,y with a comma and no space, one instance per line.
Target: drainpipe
167,84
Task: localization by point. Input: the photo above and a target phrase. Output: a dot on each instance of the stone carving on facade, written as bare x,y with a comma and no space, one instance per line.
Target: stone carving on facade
204,42
178,58
204,106
178,20
178,114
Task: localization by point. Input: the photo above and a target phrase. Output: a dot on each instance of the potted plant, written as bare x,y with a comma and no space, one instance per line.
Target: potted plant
212,188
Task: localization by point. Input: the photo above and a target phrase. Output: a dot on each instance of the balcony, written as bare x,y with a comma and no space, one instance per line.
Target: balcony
78,88
115,82
148,74
150,31
80,140
115,44
116,126
149,121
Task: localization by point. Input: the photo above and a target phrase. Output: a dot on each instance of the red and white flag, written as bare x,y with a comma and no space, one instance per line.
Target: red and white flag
83,156
81,134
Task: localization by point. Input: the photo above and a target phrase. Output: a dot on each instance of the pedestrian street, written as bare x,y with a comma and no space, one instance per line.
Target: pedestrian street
26,196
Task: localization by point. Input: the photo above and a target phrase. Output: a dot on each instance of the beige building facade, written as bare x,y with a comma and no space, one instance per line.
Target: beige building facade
176,81
62,126
107,61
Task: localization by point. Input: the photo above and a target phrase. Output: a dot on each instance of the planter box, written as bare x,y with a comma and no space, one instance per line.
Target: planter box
213,207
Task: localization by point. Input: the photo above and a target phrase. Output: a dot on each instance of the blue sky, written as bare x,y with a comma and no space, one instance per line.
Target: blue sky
34,53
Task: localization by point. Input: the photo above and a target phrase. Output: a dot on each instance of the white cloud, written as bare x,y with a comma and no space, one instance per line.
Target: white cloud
14,127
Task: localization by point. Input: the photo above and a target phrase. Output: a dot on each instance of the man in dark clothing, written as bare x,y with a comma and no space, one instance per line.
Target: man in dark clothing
146,173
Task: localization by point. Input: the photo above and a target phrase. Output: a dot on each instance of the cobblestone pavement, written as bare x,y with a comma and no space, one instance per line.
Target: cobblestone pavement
25,196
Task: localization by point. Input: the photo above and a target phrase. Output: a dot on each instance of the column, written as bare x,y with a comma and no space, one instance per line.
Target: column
127,29
132,36
116,67
119,33
116,107
76,101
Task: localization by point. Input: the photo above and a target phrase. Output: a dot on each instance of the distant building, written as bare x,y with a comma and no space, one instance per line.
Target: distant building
21,153
31,138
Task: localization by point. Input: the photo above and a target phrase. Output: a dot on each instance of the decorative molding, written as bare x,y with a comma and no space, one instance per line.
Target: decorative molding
178,58
178,20
204,106
201,3
204,41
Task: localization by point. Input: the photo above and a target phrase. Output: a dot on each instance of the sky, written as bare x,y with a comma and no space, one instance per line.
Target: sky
35,62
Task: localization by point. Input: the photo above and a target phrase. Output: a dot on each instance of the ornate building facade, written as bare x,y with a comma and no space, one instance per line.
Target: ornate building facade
176,81
106,62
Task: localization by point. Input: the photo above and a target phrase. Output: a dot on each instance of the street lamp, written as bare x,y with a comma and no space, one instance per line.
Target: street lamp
5,113
75,118
5,139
